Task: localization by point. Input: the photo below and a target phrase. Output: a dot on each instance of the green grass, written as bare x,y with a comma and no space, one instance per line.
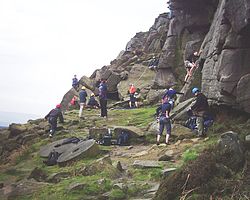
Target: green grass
153,174
190,154
117,194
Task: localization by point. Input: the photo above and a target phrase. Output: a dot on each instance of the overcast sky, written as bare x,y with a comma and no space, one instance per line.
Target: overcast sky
43,43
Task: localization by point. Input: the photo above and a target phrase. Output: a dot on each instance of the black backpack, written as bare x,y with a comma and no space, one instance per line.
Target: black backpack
52,158
123,138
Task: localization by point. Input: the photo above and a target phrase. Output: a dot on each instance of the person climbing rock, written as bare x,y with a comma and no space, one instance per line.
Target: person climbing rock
52,117
75,83
190,64
170,96
153,63
199,109
103,90
132,98
92,103
83,98
163,113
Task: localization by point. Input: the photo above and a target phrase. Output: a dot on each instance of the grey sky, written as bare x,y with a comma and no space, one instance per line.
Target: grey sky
43,43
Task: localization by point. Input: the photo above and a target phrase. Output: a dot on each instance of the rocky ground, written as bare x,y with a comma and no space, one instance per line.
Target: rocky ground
116,172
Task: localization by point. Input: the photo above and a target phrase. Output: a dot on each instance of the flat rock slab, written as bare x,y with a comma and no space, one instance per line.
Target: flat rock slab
167,171
87,148
57,146
142,164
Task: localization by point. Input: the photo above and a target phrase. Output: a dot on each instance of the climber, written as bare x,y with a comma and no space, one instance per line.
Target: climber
103,90
170,96
163,114
199,109
190,64
75,83
73,101
132,98
83,98
92,103
153,63
52,117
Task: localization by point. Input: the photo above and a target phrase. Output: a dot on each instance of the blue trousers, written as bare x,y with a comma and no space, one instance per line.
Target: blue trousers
165,122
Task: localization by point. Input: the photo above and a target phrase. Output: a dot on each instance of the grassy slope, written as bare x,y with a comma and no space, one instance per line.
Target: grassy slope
139,179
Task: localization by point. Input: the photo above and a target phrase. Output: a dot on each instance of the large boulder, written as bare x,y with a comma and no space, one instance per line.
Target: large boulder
230,151
83,149
16,129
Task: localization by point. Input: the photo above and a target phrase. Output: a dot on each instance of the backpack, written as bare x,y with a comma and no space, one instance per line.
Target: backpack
52,158
123,138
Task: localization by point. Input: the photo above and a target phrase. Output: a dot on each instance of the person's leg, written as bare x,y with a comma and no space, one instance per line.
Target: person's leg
81,108
136,104
102,107
200,126
168,128
53,127
191,69
187,74
161,128
105,111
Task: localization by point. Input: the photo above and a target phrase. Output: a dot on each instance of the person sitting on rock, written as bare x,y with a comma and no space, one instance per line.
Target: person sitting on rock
153,63
132,98
170,96
163,113
52,117
75,83
92,103
190,64
199,109
83,98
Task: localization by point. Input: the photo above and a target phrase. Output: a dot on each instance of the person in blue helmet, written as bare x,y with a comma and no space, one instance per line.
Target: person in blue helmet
199,109
163,113
52,117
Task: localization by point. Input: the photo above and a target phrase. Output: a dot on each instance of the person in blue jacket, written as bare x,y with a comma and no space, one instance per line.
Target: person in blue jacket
103,90
170,96
75,83
163,113
82,99
52,117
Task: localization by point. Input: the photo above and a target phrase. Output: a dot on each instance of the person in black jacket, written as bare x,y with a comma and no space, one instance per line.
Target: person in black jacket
52,117
103,90
163,112
153,63
200,109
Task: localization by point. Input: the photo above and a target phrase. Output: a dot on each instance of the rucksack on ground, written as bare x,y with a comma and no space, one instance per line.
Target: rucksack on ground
123,138
52,158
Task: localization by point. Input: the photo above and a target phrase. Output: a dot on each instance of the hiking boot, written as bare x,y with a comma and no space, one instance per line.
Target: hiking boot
157,143
50,135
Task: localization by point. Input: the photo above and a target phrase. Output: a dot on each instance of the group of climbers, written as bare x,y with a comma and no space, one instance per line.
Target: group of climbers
199,108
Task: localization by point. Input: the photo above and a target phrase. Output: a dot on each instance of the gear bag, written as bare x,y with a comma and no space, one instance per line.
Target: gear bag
52,158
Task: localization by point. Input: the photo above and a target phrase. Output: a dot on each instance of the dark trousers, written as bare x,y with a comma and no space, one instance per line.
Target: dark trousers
103,104
53,124
165,122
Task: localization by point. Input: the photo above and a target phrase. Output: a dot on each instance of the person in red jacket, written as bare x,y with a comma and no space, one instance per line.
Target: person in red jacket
132,98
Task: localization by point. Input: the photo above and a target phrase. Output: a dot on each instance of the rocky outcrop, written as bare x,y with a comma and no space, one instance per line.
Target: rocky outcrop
226,53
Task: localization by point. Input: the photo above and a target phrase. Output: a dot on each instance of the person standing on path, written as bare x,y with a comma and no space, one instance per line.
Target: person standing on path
82,98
